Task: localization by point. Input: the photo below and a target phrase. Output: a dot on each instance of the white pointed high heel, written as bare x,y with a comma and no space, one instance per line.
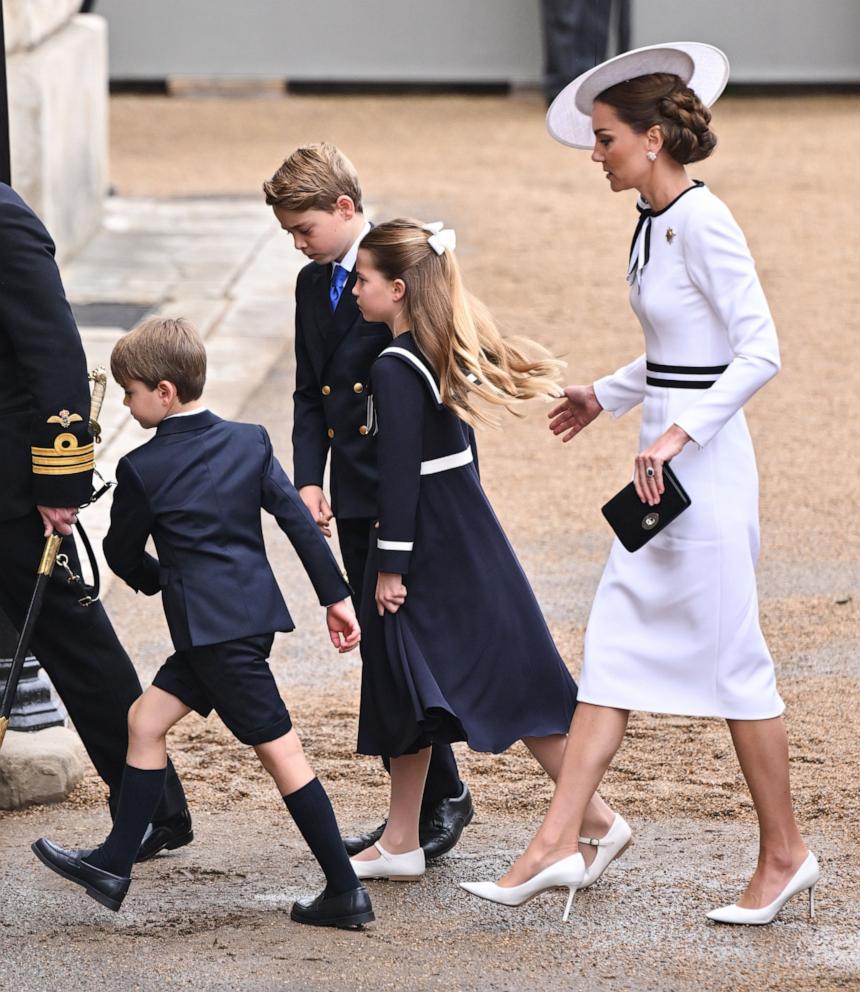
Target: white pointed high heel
567,873
408,867
804,879
613,844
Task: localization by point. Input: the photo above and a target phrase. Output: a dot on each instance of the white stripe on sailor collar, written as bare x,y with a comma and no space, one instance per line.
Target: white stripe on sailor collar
422,368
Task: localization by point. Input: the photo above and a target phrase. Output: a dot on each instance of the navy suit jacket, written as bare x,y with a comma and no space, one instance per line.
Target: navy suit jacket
334,353
198,487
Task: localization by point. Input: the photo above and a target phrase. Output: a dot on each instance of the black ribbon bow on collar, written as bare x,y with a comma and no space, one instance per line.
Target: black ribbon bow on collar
640,253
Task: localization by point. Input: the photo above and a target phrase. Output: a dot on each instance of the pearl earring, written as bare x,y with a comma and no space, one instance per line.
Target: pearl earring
652,156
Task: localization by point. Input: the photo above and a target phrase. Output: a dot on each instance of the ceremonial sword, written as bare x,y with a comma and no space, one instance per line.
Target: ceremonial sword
46,567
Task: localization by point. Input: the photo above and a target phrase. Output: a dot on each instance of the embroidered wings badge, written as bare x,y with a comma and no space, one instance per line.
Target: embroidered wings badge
64,418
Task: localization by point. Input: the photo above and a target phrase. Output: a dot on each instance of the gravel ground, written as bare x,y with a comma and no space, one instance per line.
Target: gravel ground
545,246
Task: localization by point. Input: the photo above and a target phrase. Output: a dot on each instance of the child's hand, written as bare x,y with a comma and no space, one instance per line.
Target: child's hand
390,592
342,626
314,499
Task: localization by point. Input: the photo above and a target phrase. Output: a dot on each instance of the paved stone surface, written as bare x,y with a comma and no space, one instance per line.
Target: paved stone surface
225,264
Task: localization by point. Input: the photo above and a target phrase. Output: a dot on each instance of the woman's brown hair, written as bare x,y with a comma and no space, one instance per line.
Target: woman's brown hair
662,98
455,331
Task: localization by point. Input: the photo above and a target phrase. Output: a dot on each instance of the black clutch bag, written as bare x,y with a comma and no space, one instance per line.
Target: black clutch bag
635,522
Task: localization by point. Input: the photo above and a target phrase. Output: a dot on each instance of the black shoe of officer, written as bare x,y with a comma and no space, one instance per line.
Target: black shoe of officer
101,885
345,911
358,842
166,835
440,827
438,831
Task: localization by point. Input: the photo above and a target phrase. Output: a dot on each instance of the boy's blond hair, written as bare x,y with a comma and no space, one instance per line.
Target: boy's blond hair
159,348
313,178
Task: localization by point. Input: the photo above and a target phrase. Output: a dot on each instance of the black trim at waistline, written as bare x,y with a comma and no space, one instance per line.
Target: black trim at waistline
686,369
680,383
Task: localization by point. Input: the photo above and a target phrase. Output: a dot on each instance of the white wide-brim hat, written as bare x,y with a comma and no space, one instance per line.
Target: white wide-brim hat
704,68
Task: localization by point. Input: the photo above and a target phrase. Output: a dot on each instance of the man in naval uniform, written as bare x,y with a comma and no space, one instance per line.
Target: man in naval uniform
46,452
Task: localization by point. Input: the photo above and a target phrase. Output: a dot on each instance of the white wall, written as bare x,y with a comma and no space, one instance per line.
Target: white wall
386,40
457,40
767,41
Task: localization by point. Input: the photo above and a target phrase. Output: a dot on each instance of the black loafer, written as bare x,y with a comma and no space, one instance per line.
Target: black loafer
345,911
166,835
101,885
360,842
441,827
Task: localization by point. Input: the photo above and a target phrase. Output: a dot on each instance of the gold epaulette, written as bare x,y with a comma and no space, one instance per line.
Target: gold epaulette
67,457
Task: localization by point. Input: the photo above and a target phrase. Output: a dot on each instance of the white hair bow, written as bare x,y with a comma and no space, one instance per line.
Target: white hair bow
441,237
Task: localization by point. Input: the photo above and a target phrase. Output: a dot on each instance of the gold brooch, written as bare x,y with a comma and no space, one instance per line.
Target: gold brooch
64,418
670,235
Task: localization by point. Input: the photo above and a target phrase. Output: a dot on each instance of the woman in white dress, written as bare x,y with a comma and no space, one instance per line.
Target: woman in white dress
674,627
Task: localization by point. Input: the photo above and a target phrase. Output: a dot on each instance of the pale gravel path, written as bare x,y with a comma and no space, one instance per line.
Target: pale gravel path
543,242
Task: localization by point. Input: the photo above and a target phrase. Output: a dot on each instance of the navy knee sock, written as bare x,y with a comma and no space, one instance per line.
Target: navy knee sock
139,797
311,809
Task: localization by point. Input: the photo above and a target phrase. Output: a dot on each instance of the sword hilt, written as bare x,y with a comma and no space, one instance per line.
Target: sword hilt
98,377
49,554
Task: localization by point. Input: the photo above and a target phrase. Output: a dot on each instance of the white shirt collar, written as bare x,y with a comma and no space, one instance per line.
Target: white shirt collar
187,413
348,260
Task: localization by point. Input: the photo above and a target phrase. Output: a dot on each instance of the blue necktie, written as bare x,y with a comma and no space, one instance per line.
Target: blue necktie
339,275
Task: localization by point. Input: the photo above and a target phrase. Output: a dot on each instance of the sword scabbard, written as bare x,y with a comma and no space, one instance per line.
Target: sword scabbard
4,723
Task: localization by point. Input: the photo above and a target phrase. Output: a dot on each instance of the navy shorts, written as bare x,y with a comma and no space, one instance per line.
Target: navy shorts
234,679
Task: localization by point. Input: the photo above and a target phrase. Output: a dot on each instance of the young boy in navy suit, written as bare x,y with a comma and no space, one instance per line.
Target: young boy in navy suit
316,197
197,489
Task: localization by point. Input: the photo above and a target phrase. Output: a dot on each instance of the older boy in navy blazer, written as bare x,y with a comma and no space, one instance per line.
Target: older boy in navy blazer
316,197
197,489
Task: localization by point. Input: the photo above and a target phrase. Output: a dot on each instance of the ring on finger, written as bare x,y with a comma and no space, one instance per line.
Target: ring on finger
650,472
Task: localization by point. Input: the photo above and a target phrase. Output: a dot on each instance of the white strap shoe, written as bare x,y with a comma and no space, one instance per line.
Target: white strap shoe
565,874
804,879
408,867
613,844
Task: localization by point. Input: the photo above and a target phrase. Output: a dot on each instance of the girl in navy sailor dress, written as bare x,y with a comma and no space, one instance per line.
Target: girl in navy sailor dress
454,645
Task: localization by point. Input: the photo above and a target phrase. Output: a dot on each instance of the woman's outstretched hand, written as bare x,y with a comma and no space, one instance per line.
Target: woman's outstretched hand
578,408
649,484
390,592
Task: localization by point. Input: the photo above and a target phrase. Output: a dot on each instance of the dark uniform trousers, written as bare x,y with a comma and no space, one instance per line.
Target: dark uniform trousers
334,353
575,34
78,648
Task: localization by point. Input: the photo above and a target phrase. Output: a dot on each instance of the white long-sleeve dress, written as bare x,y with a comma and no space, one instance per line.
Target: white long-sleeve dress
674,627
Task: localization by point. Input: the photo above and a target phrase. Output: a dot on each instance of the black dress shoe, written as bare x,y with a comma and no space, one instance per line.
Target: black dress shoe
166,835
359,842
347,910
438,831
440,828
101,885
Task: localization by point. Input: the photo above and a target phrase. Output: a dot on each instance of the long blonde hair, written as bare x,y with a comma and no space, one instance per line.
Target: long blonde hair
455,331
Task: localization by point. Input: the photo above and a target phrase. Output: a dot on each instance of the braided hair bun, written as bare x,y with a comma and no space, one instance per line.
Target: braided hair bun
662,98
